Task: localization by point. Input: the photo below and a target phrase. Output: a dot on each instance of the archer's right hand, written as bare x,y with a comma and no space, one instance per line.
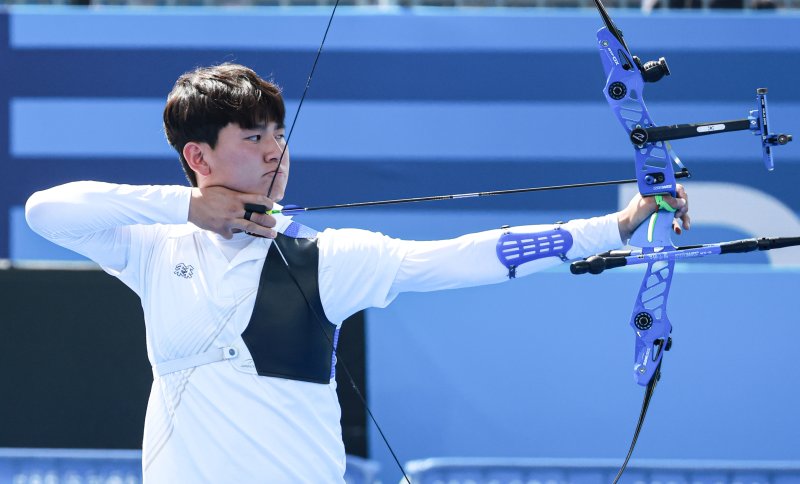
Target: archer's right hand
221,210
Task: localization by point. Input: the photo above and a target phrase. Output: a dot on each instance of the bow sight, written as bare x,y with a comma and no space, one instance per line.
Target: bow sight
756,122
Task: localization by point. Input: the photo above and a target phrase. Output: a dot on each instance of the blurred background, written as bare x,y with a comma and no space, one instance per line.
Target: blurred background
417,98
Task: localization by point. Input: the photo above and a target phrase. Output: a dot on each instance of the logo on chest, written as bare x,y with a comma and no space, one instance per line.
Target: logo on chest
184,271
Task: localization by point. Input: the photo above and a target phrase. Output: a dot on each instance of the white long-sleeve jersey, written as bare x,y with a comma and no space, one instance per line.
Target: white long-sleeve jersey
221,422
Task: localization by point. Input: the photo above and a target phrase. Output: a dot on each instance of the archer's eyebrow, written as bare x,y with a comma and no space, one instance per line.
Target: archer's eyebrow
263,126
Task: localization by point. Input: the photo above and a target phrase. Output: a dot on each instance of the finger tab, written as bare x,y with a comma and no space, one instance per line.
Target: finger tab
255,207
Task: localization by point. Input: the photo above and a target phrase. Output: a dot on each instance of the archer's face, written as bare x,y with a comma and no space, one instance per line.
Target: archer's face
246,160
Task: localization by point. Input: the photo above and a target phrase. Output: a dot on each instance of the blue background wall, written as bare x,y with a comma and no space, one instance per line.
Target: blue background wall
423,102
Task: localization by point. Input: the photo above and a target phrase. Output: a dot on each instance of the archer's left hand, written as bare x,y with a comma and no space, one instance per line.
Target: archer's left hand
640,208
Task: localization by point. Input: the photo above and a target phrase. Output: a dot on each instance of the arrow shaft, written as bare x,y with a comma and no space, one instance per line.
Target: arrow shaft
455,196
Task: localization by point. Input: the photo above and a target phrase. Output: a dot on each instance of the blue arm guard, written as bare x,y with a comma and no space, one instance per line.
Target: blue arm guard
513,250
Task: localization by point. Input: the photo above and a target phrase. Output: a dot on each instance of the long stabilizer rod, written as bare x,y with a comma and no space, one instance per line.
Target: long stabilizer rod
596,264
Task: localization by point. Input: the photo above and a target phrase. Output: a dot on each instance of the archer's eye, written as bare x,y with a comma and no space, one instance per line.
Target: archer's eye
255,138
281,137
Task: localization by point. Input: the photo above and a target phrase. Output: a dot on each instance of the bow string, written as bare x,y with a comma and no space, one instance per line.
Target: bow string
319,318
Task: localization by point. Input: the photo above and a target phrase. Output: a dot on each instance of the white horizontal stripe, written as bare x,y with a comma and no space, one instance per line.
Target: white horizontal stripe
351,131
378,28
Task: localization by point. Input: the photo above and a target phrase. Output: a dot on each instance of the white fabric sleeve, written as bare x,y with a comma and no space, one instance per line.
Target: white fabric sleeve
356,270
471,260
94,218
360,269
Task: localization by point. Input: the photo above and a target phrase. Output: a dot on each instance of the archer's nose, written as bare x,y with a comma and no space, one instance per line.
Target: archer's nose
273,151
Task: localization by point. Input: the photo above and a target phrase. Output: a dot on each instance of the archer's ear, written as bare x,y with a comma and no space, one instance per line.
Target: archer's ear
193,152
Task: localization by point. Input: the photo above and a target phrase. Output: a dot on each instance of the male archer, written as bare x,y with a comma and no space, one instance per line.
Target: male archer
241,329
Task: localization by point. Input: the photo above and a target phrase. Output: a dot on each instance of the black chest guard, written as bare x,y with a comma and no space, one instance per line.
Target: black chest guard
285,333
